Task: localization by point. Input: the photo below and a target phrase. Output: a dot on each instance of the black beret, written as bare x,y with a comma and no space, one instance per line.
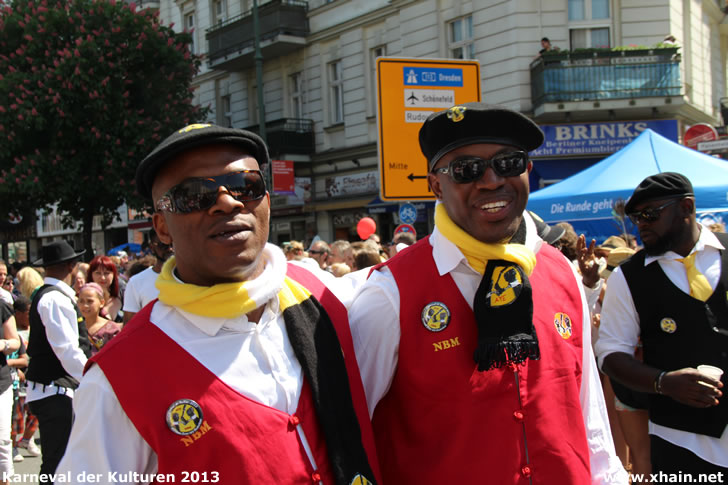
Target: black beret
193,136
476,122
661,186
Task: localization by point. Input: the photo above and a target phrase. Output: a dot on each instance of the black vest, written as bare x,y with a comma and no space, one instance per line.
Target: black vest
676,333
44,366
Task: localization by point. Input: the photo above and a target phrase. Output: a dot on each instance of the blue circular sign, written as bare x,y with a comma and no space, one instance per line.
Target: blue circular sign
407,213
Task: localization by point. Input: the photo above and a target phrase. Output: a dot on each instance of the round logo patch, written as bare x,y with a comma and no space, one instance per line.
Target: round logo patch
436,316
184,417
456,113
562,322
360,480
505,286
668,325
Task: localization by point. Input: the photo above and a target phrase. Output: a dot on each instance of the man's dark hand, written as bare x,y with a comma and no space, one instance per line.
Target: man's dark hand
587,262
690,387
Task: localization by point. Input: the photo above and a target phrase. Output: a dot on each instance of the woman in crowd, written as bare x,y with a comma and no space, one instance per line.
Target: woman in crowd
103,272
79,276
8,344
100,329
29,279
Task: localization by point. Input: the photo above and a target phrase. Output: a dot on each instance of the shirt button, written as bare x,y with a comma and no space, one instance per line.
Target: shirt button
518,415
316,477
526,471
294,420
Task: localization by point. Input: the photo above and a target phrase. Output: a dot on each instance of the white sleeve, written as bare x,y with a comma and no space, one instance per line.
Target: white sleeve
132,298
61,326
103,439
374,320
619,330
606,468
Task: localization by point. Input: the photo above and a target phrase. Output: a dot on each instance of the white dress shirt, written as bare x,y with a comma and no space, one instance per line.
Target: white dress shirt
140,290
619,331
376,342
61,326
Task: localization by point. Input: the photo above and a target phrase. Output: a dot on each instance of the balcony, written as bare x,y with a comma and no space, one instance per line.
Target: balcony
283,29
288,136
626,80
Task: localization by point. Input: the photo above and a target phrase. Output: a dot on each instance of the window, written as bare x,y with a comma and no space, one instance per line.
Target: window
336,88
589,23
219,11
226,111
295,95
461,38
190,27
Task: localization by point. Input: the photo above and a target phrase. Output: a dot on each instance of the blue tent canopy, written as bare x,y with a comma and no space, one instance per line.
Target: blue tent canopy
587,198
131,247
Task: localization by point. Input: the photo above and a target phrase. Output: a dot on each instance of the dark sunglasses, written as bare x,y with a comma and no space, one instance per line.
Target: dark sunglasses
469,169
198,194
650,214
311,251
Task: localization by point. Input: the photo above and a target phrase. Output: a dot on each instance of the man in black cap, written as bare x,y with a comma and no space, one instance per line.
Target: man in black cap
671,295
474,342
58,347
243,371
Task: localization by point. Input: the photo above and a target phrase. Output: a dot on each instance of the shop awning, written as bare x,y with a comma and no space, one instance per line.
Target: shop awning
332,205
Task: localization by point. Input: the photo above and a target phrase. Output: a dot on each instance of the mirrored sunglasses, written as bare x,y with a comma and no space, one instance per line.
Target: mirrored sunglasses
469,169
649,214
198,194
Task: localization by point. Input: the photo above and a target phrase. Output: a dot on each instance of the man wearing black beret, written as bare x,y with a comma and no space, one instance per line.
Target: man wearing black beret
671,295
243,370
474,342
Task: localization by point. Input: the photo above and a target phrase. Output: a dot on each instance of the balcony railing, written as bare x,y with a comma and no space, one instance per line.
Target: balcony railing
559,78
288,135
231,42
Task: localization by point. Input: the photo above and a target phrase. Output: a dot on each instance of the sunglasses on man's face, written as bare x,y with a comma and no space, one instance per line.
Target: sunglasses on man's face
198,194
469,169
649,214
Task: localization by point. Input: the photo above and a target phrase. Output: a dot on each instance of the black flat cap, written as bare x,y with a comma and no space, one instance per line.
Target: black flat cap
661,186
193,136
476,122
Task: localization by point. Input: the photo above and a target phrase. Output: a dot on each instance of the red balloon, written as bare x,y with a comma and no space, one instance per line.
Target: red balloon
366,227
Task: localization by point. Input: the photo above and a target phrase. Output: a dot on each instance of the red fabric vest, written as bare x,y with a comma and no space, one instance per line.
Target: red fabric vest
240,440
442,421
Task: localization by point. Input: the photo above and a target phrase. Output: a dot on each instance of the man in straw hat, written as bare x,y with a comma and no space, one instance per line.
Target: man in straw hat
243,371
474,342
672,295
58,347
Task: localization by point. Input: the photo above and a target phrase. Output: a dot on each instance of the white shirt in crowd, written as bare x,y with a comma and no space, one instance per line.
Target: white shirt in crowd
619,331
377,348
140,290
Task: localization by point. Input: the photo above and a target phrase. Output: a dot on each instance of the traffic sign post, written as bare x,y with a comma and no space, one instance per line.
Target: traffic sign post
408,91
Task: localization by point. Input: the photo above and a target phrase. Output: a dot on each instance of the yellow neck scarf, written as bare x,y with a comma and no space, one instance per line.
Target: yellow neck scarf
479,253
232,300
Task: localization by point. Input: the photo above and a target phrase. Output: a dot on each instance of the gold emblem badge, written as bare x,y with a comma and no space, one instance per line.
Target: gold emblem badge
194,126
562,322
436,316
184,417
505,285
360,480
668,325
456,113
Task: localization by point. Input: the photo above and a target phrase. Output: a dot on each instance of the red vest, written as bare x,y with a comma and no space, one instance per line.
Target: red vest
442,421
239,440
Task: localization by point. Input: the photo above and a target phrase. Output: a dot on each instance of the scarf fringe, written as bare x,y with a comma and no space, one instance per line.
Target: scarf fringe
518,348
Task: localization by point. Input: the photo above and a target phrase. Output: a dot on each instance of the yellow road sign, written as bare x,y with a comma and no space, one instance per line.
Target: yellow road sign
408,91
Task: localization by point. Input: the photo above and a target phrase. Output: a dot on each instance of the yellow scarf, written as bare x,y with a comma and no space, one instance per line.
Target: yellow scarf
479,253
232,300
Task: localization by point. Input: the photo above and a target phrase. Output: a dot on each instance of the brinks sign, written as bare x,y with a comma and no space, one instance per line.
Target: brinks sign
432,76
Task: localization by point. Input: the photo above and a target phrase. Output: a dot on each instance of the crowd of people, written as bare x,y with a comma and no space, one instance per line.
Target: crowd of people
496,340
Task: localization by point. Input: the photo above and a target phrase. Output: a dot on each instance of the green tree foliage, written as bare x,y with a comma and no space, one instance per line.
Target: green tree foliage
87,89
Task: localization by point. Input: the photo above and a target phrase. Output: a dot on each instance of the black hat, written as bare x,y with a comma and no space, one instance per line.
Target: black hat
661,186
57,252
476,122
193,136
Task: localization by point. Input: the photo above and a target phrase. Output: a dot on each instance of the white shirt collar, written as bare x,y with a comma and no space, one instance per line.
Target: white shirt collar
448,256
706,240
61,286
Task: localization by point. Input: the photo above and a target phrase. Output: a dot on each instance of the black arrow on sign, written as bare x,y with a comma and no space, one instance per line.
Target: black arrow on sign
412,177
